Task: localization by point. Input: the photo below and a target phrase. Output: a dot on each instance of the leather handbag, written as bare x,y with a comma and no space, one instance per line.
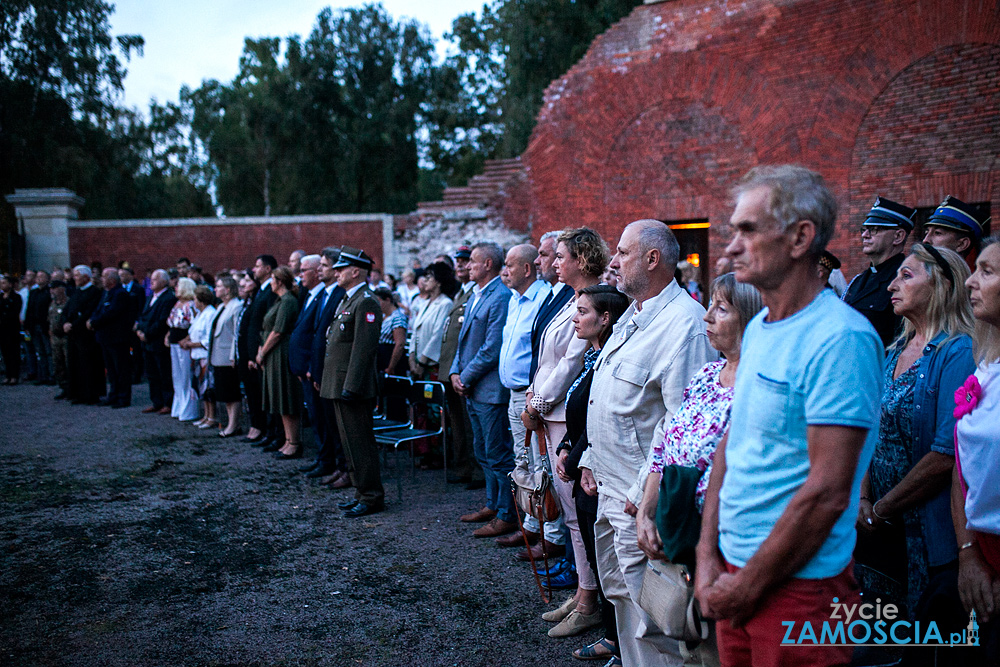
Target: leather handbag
667,595
533,491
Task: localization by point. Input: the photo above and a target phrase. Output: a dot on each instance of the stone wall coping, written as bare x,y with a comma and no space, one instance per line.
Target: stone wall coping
44,196
249,220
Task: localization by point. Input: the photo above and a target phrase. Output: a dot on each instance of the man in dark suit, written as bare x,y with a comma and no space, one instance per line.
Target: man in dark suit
883,238
463,460
112,325
263,432
349,379
312,297
86,377
137,302
557,298
36,324
151,328
475,375
330,466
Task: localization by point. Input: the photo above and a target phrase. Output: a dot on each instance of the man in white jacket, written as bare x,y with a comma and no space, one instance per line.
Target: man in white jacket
657,346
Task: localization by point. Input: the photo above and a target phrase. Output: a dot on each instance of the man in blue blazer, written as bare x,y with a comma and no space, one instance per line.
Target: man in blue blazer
151,328
312,294
329,466
475,375
112,324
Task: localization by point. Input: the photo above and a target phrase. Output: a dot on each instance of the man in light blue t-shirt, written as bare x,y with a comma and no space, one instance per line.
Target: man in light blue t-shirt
778,528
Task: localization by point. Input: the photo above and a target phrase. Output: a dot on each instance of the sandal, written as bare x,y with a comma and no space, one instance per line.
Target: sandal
592,652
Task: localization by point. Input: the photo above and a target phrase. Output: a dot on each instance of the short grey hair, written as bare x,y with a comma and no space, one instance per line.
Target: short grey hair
112,272
548,235
310,258
84,269
797,194
493,251
660,237
166,274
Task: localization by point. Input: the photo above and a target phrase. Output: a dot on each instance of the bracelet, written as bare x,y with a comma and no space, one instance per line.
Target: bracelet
967,545
530,416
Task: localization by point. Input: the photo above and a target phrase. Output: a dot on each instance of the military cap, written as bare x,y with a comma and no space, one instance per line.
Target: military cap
463,252
956,214
354,257
886,213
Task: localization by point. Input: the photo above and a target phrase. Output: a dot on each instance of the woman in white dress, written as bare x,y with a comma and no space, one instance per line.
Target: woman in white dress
185,405
197,342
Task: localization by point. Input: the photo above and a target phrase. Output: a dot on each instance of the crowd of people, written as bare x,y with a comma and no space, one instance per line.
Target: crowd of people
793,447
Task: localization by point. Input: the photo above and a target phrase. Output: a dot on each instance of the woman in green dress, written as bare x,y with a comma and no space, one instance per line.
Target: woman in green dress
282,390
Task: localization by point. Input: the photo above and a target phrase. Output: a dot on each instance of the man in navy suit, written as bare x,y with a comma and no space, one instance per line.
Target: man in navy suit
312,294
86,377
475,375
557,298
330,466
112,324
137,299
152,329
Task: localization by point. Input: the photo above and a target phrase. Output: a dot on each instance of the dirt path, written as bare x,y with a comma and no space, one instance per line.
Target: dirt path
133,540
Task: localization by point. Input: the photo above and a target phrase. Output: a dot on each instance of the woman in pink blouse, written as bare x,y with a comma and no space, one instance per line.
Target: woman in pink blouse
703,417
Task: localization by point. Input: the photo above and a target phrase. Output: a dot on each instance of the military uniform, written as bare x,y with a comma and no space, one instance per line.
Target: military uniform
462,459
868,293
350,381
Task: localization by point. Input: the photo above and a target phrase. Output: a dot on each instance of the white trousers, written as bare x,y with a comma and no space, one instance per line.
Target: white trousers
621,565
185,405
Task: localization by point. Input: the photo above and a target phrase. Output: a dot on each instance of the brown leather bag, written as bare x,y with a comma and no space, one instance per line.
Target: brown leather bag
533,491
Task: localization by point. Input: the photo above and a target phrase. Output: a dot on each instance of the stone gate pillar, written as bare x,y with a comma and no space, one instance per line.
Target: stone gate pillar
45,213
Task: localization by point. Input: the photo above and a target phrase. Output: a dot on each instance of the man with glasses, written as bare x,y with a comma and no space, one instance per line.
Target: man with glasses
883,237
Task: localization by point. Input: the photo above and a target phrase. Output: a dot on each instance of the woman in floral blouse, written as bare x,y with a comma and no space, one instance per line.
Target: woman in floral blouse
703,417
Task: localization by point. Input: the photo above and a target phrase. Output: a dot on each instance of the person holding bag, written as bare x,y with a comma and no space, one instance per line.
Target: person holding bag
696,428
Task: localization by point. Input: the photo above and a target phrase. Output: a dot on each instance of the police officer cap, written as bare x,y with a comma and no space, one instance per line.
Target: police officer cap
886,213
463,252
829,260
354,257
956,214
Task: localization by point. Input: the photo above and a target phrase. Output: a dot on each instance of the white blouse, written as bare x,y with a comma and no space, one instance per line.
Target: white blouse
201,332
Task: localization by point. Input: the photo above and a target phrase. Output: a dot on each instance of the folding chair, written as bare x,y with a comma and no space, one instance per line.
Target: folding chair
393,386
421,394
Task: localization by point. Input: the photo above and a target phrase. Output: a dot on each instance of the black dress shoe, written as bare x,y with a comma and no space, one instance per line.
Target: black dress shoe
308,467
475,484
273,446
289,457
347,504
259,438
316,473
363,509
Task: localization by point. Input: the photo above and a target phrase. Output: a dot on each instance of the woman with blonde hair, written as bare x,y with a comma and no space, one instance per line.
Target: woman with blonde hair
581,258
185,404
905,534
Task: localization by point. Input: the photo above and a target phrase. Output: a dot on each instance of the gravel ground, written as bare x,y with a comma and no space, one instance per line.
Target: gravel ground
134,540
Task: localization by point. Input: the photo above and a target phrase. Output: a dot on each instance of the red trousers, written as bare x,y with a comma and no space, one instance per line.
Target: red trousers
758,643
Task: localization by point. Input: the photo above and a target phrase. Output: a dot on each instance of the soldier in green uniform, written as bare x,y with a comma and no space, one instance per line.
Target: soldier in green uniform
349,379
467,471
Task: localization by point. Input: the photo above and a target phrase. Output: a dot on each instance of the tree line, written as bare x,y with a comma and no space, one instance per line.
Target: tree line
360,115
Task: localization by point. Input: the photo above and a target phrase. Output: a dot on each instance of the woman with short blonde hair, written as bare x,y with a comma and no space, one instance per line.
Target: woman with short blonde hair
185,404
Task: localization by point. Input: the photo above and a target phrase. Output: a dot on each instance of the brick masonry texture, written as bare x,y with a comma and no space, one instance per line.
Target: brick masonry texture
677,100
216,247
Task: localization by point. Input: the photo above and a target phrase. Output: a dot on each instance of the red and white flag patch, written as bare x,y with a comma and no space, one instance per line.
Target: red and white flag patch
370,318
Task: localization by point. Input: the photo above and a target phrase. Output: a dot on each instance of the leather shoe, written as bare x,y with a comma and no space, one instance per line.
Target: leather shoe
347,504
516,539
363,509
484,514
551,550
475,485
289,457
151,409
273,446
163,411
308,467
495,528
575,623
560,612
343,481
317,473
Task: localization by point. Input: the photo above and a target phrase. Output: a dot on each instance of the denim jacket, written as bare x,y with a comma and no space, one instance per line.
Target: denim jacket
941,370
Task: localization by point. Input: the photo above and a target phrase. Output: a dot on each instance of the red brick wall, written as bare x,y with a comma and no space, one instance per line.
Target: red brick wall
215,247
676,101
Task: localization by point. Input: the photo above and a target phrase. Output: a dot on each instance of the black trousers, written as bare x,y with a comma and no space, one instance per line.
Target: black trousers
587,519
86,368
10,348
358,435
161,381
119,371
255,398
136,358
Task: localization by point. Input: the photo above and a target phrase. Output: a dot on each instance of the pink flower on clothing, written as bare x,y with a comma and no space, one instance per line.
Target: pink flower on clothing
967,397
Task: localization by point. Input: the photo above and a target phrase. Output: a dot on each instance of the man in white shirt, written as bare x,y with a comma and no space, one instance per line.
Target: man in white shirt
656,348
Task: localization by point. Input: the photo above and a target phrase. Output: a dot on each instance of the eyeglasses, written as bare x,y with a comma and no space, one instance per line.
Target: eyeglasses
873,230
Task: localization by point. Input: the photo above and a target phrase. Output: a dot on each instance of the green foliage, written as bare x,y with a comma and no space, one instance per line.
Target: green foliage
61,74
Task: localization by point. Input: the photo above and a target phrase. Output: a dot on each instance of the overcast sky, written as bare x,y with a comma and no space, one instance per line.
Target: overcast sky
191,40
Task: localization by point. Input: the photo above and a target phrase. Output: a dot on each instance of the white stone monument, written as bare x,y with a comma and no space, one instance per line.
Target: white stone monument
45,214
